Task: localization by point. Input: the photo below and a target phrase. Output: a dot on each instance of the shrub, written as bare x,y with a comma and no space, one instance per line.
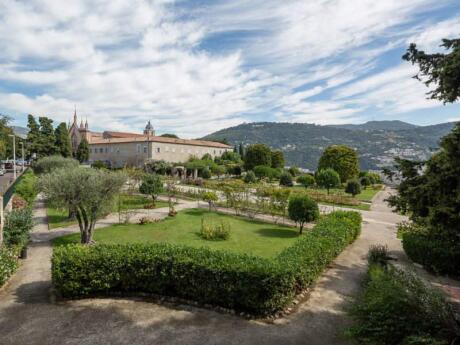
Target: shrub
365,181
100,165
378,254
19,203
151,185
241,282
311,254
26,187
18,224
397,307
294,171
250,177
306,180
8,262
302,209
264,171
49,164
286,179
434,254
206,173
353,187
214,232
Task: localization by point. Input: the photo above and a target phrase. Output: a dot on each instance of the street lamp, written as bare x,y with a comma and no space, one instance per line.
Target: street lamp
22,147
14,155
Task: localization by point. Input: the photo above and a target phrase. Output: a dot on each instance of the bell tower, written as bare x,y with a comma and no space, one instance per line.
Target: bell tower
149,130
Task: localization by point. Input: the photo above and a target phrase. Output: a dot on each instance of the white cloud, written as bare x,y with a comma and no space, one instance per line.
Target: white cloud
124,62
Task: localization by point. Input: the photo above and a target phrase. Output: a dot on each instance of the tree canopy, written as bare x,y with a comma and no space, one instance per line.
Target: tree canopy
327,178
341,158
63,144
87,192
277,158
439,70
257,154
302,209
83,151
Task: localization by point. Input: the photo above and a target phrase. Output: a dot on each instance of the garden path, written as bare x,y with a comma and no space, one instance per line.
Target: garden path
30,315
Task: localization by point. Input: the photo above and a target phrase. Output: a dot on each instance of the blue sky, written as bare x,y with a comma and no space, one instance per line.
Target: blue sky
194,67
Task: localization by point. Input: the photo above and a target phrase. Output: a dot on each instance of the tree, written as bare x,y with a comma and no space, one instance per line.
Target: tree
151,185
83,151
277,158
257,154
47,139
327,178
306,180
63,143
302,209
264,171
441,70
250,177
342,159
241,151
205,173
353,187
286,179
429,191
231,157
294,171
89,192
218,170
46,165
365,181
210,198
33,136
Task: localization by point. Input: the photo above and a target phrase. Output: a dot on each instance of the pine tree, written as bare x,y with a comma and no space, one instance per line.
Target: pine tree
47,138
83,151
63,143
33,136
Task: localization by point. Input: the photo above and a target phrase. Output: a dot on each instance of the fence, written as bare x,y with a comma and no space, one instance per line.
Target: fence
8,193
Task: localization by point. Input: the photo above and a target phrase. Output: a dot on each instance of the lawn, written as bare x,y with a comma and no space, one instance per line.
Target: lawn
366,195
247,236
59,218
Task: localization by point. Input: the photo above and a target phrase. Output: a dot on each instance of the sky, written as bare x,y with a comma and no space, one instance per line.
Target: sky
197,66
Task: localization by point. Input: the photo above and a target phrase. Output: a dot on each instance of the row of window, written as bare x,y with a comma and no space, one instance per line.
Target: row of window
157,150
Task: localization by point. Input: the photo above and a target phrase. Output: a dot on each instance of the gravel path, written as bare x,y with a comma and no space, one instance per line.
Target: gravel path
30,315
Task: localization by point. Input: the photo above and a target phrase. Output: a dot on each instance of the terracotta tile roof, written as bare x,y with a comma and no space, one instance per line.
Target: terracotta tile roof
143,138
120,134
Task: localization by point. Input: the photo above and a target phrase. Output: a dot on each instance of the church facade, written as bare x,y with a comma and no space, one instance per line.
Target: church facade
120,149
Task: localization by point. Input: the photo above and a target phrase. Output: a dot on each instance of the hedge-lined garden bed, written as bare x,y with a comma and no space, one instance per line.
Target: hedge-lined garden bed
245,283
8,262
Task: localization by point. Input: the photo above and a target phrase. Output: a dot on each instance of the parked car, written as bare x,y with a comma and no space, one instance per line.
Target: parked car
2,172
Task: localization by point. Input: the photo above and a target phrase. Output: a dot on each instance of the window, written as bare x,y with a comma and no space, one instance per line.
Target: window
90,150
145,149
111,149
106,149
158,150
118,150
138,148
101,150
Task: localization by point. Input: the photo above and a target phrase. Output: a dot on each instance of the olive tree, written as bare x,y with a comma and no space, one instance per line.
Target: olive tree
151,185
88,192
327,178
302,209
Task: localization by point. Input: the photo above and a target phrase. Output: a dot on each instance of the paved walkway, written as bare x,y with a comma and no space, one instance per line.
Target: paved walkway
29,314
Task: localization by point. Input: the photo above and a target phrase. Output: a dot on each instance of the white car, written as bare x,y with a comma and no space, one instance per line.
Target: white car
2,172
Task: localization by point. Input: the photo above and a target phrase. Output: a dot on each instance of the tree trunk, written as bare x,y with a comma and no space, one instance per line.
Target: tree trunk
153,200
301,229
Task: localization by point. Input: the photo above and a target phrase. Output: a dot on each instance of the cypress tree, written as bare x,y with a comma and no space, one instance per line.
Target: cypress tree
83,151
63,143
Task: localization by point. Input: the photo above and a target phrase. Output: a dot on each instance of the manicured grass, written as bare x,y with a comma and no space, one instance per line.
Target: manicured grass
59,218
247,236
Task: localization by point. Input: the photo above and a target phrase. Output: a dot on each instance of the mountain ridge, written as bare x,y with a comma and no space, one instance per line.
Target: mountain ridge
303,143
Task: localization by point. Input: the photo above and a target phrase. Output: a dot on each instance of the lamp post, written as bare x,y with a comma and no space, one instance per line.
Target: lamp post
14,155
22,148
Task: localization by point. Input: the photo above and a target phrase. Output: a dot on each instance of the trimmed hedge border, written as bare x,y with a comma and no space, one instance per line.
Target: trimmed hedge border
434,255
241,282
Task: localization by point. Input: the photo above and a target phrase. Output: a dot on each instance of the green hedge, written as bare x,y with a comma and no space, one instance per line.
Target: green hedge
8,262
241,282
308,257
435,255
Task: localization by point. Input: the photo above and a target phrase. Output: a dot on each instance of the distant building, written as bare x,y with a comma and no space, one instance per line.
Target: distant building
119,149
